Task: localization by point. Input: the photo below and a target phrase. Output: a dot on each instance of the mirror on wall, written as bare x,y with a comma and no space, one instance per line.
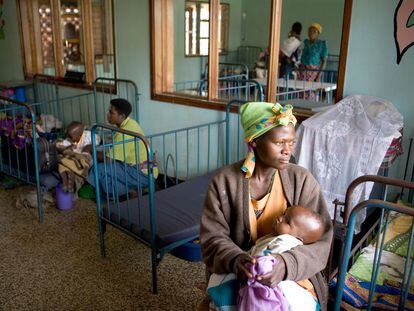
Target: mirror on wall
309,52
250,37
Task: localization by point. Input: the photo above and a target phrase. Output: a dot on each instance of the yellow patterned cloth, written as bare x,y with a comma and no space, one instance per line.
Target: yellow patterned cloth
259,117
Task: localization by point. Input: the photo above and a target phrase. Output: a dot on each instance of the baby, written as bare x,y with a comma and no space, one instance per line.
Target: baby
78,138
290,50
75,159
296,227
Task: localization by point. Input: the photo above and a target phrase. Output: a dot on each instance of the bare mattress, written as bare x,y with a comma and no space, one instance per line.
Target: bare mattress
177,212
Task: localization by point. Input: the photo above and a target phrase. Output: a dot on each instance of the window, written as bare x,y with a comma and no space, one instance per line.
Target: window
197,24
61,36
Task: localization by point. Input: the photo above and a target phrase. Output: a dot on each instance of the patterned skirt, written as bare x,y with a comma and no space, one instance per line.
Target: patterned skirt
309,75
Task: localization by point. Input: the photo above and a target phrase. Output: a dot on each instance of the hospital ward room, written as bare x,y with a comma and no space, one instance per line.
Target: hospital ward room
207,155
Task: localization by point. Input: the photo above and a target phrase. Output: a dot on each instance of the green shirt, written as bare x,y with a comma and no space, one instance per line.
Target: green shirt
129,157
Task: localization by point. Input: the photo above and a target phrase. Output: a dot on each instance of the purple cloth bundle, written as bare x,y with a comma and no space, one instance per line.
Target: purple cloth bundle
19,137
258,297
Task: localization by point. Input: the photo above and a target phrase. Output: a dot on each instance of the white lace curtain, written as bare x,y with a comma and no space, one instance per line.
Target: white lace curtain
347,141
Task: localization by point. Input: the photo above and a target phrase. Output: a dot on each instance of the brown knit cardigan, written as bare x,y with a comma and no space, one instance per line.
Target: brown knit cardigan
225,228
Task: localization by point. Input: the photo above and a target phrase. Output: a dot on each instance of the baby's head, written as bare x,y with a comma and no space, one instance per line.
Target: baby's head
297,28
300,222
75,131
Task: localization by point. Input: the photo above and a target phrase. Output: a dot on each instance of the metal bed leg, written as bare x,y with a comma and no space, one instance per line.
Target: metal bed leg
39,202
154,270
102,229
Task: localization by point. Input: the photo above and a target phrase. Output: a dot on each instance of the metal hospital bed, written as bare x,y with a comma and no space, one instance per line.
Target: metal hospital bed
19,124
168,218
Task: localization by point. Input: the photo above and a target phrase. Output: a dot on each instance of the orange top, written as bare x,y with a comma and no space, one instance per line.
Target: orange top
273,204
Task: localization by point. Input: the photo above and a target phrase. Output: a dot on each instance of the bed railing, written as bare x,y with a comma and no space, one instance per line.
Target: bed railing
189,152
385,208
45,88
106,89
67,109
248,54
18,127
231,87
54,107
111,197
195,150
244,54
192,87
319,90
229,70
236,148
333,62
237,88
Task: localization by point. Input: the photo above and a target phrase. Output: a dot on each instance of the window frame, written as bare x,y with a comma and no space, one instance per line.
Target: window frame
32,58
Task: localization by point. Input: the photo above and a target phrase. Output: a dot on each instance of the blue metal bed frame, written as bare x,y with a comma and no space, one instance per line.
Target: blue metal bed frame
157,252
13,108
48,99
184,145
237,87
244,54
296,94
105,89
248,55
230,87
379,229
229,70
333,62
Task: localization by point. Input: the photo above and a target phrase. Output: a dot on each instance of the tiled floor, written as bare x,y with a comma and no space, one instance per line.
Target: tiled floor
56,265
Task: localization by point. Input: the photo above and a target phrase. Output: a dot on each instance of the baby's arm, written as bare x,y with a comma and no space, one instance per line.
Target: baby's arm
63,144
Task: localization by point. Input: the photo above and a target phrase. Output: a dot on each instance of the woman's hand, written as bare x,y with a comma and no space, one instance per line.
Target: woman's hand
277,275
240,269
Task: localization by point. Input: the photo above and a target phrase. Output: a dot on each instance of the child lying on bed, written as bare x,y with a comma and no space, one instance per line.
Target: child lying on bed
298,226
75,157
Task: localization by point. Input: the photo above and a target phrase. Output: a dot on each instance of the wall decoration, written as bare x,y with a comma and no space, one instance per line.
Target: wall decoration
1,21
403,28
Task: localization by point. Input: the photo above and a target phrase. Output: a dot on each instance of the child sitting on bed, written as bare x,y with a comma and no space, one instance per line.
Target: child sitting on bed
296,227
75,157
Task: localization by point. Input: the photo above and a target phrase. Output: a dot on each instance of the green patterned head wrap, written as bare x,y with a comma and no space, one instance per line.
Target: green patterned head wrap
259,117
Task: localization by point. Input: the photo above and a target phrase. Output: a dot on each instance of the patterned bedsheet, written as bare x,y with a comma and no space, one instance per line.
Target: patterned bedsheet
388,289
